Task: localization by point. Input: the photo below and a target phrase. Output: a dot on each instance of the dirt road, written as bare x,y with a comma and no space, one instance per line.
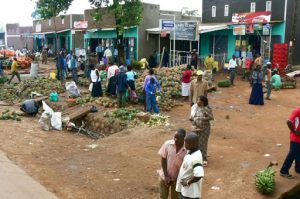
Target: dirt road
124,165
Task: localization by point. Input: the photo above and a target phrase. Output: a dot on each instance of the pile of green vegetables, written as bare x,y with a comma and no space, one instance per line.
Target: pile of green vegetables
23,90
158,120
224,83
124,115
265,180
7,115
3,79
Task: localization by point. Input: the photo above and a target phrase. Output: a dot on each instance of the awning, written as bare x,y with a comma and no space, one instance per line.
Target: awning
205,28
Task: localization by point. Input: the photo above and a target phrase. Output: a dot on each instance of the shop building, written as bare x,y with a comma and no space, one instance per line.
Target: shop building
62,29
235,34
136,42
19,37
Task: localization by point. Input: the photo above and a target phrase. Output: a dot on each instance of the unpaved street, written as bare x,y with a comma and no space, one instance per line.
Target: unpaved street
124,165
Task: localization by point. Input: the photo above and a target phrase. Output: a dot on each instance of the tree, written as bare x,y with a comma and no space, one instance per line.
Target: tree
127,13
48,9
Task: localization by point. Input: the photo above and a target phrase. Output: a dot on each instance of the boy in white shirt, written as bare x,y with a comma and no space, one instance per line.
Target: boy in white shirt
189,181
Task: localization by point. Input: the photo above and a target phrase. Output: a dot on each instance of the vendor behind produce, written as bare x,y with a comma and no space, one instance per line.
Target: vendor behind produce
30,107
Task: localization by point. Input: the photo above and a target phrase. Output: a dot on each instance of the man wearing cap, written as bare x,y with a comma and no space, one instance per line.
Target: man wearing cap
198,87
268,78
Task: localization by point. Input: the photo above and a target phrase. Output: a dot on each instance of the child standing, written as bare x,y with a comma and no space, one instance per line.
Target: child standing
150,89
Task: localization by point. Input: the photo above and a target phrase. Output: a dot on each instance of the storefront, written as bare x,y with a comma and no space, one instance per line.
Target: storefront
108,38
257,35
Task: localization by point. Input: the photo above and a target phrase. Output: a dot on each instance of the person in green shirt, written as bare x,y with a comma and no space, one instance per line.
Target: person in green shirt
276,81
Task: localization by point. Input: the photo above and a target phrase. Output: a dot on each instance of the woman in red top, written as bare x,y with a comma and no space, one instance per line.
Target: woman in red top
186,81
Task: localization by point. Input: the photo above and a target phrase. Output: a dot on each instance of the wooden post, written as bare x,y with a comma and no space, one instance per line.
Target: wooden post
162,55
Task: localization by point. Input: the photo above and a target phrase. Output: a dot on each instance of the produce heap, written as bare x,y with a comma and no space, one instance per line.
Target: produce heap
265,180
18,92
6,115
170,81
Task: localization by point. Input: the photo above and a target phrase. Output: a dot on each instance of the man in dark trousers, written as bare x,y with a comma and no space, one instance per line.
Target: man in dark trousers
122,86
294,153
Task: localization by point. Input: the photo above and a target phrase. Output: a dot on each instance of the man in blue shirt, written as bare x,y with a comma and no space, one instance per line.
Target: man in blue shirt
1,68
151,88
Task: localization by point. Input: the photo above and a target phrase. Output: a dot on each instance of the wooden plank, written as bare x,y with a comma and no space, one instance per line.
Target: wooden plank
79,113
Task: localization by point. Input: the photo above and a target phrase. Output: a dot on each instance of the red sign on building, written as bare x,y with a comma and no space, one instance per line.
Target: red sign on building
252,17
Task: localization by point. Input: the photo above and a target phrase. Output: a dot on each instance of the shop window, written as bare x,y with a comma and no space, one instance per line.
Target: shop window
63,21
252,6
49,22
268,5
226,10
213,11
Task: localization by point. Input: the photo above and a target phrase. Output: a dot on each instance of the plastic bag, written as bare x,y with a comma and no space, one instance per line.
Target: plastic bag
53,75
56,121
72,89
91,87
45,121
47,109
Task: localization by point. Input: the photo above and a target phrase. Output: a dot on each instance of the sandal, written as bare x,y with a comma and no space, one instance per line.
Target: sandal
205,163
287,175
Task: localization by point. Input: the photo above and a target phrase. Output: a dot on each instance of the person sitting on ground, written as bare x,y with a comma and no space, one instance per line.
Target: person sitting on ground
172,153
151,88
276,81
30,107
191,172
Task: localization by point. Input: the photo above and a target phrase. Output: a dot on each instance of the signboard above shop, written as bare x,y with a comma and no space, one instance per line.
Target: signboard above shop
239,29
80,24
251,17
166,24
185,30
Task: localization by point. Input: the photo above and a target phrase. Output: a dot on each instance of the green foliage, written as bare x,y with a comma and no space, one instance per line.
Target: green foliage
224,83
127,12
47,9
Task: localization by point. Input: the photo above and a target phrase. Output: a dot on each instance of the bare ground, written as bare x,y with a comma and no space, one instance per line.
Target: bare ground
124,165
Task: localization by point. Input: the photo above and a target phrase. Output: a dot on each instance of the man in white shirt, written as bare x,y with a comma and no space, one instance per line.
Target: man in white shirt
231,67
189,181
108,55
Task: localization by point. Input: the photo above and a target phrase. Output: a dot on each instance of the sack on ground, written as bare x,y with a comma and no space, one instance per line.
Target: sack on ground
56,121
45,121
72,89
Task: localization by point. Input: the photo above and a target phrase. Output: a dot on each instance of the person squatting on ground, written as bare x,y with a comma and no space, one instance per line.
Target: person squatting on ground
172,153
201,115
191,173
14,70
151,88
294,152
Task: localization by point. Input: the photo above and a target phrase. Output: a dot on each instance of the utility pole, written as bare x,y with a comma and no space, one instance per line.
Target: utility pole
293,35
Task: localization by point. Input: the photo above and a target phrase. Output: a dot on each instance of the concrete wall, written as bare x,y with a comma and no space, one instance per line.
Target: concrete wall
150,20
61,23
107,21
19,36
238,6
291,8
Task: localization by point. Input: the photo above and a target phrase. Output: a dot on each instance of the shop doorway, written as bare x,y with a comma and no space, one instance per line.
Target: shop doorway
255,42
